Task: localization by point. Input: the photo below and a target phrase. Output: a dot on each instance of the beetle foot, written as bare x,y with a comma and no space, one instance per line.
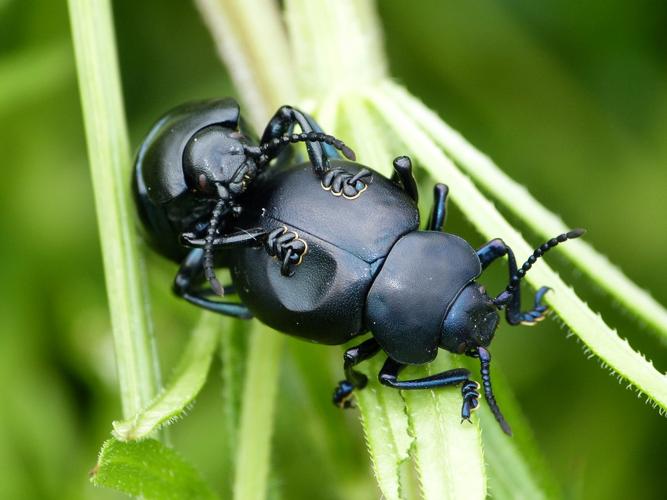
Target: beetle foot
539,311
287,247
342,396
470,393
341,182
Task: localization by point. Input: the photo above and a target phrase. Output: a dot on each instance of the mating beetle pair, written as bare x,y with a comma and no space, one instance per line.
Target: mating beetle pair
325,250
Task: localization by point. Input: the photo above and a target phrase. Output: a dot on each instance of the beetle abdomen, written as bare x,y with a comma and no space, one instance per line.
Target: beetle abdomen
347,240
323,301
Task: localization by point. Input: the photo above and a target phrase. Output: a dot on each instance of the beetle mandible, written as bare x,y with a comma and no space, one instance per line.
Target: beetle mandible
325,250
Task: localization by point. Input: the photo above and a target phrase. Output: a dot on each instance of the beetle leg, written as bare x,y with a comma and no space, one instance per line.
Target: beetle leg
436,220
469,390
495,249
191,274
283,122
403,173
354,379
243,238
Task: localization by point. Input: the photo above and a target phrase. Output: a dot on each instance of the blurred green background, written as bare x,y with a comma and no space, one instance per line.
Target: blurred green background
570,98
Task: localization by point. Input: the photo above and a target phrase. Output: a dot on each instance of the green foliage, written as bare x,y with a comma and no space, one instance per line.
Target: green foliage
150,470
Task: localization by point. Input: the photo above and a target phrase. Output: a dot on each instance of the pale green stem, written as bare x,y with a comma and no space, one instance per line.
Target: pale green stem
545,223
257,411
109,155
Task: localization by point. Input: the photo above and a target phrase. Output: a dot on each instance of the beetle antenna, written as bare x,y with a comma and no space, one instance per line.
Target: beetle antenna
485,361
268,149
505,296
209,271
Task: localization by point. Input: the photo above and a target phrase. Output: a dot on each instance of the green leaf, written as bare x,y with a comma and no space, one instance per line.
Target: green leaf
187,381
448,453
385,427
150,470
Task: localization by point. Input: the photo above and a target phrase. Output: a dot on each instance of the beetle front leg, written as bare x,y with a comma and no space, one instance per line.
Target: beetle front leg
244,238
320,146
354,379
469,390
283,123
495,249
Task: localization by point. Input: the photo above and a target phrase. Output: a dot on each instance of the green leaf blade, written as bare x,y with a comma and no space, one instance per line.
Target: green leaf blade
385,425
150,470
448,453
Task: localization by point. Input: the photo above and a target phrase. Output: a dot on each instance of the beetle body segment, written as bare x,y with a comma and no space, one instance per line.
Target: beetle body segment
421,278
348,240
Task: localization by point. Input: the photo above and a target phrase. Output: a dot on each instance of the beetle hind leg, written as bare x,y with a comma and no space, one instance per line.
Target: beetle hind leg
191,275
353,378
469,388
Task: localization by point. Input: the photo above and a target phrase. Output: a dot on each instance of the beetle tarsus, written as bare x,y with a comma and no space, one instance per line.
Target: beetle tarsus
286,246
341,182
354,379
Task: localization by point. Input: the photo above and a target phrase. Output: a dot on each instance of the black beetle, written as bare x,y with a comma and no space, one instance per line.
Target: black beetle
325,257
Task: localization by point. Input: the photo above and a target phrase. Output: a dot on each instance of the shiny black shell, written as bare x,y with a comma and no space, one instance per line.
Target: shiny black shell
166,207
348,240
419,282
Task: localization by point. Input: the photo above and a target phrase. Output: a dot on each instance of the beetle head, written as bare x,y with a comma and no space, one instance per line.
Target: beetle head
218,162
470,322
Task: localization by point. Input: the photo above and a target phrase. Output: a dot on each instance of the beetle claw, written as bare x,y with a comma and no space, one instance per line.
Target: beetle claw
342,396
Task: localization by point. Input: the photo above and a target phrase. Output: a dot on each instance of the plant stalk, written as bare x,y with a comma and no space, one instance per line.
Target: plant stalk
110,166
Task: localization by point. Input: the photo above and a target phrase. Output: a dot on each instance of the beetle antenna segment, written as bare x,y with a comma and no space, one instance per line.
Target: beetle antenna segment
507,294
485,360
268,149
209,272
